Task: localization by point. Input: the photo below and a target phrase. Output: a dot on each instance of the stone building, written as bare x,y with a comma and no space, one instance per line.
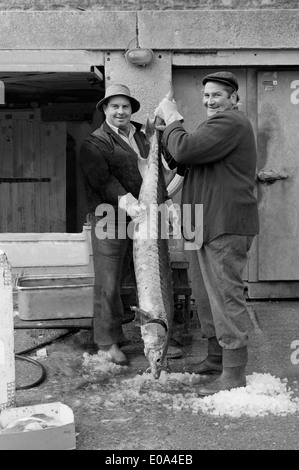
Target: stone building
56,59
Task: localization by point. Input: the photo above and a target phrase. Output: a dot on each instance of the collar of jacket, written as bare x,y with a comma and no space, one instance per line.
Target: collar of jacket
142,143
108,129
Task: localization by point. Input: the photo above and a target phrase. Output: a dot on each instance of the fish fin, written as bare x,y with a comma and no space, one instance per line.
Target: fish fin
149,127
141,315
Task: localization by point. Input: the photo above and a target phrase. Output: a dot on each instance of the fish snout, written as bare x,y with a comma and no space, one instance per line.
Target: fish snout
156,374
154,357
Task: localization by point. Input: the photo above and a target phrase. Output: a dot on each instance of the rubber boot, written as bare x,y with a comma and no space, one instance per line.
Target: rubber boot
233,374
212,364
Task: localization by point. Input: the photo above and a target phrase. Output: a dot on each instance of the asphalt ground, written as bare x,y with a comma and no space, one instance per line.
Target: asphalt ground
139,424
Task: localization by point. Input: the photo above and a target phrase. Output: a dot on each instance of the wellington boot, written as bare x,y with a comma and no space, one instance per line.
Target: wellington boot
173,352
231,377
212,364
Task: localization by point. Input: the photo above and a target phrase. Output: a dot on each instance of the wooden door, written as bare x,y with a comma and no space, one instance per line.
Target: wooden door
278,173
32,174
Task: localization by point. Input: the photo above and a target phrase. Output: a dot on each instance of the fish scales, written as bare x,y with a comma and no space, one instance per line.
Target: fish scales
152,264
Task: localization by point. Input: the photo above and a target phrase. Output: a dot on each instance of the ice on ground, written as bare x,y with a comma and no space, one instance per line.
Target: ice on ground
264,394
101,362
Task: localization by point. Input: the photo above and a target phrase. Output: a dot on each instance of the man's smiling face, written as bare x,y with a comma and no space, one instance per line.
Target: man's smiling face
118,111
216,98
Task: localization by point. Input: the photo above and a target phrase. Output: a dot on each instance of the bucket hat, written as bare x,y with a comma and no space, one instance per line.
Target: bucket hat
115,90
224,77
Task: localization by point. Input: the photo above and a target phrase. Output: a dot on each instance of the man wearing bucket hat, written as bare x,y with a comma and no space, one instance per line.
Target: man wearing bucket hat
220,159
109,159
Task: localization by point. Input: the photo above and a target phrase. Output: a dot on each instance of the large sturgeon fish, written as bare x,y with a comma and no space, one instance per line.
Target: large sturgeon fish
152,260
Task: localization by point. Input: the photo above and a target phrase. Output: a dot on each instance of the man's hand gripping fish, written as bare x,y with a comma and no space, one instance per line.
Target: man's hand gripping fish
152,260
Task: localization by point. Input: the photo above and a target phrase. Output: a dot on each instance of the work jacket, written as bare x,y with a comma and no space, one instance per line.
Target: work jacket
220,157
110,167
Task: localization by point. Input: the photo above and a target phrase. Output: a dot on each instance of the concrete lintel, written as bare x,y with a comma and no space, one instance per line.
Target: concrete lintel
172,30
50,60
107,30
236,58
219,29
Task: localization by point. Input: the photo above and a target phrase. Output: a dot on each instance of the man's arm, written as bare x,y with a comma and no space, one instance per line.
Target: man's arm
211,142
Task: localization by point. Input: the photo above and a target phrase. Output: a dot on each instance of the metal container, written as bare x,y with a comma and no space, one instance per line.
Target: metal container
60,437
55,296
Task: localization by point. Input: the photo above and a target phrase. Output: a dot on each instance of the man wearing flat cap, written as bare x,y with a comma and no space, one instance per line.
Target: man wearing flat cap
220,158
109,160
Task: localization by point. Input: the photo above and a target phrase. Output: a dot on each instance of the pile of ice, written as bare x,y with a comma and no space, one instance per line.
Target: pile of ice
101,362
264,393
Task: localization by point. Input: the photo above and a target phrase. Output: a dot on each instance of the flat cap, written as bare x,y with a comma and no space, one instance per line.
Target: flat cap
227,78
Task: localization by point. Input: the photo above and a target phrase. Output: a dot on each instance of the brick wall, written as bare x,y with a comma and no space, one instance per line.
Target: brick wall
129,5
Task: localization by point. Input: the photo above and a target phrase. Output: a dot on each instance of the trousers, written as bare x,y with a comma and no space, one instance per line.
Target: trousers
111,259
218,268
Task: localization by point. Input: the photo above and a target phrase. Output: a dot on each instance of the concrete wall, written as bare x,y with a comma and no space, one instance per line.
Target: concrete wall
144,4
241,37
160,30
191,30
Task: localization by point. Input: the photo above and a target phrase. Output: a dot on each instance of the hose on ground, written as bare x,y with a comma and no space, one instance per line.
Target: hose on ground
43,376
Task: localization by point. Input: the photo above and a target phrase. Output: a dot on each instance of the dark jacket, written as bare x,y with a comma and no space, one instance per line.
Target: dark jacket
109,166
221,166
